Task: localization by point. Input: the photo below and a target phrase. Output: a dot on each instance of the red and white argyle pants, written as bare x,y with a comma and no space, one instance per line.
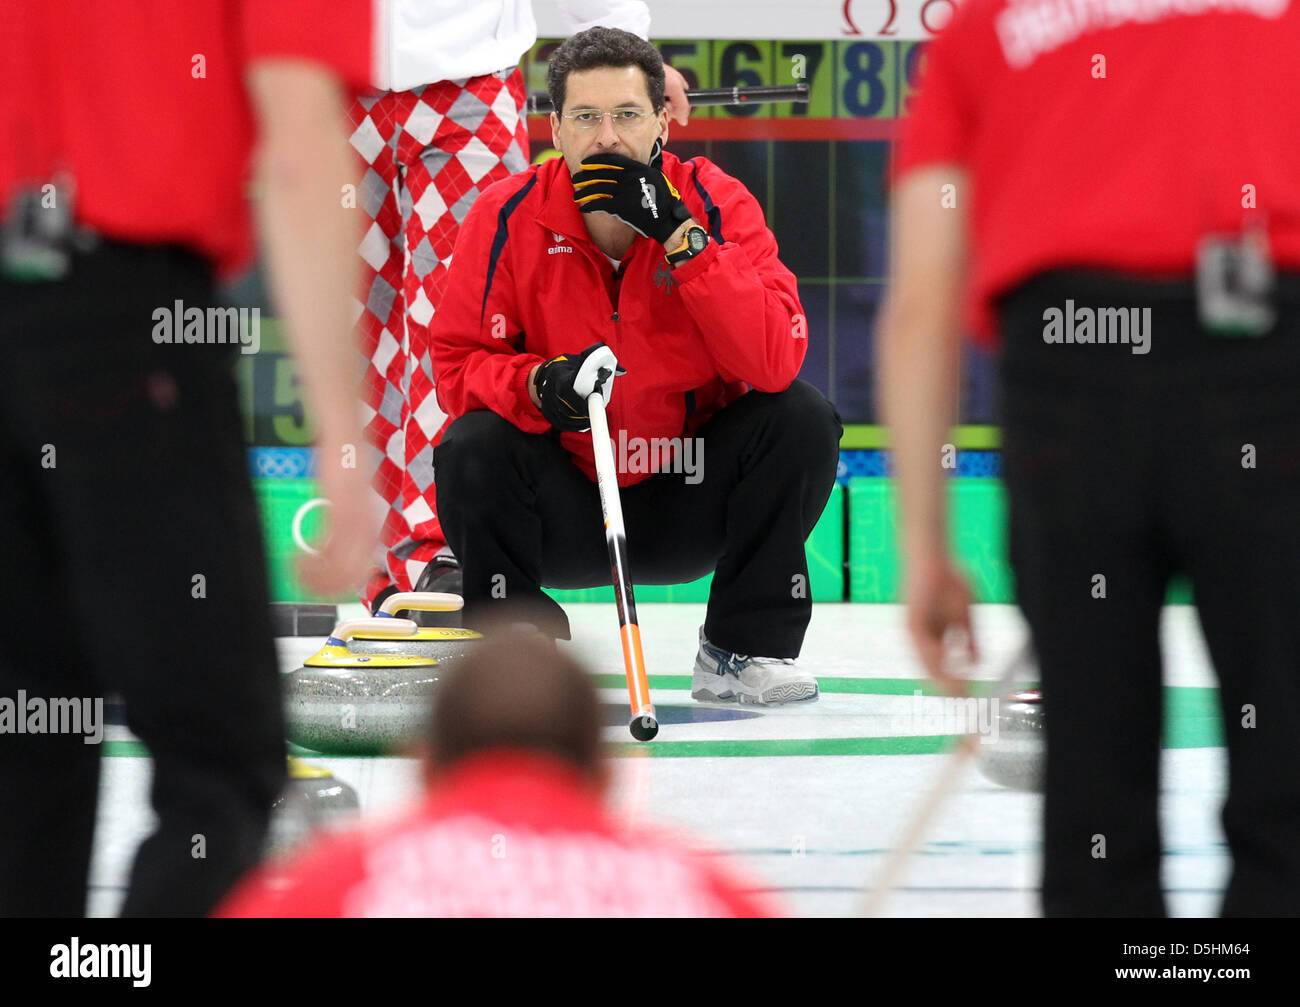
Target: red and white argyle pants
429,152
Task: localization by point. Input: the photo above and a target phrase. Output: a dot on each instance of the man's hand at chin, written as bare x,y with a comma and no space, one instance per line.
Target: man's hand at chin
638,194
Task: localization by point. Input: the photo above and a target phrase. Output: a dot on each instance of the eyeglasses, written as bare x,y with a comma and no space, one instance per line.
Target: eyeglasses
624,119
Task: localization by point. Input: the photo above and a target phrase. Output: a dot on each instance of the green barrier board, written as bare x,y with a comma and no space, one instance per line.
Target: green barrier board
282,501
977,520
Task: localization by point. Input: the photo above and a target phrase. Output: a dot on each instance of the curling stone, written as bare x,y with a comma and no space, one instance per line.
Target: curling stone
441,643
343,703
1015,757
313,799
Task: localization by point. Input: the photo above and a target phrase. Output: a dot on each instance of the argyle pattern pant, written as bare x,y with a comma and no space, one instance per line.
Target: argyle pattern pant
428,153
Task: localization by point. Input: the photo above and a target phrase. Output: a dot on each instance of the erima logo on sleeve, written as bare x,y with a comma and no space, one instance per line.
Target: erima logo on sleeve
558,246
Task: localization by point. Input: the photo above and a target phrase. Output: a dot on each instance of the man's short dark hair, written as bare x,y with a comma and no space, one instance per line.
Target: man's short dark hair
598,47
516,691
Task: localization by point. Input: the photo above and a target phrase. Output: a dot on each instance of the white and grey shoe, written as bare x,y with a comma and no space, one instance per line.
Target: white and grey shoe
724,677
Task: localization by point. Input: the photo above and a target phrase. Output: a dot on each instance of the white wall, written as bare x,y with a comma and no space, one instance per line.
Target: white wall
779,19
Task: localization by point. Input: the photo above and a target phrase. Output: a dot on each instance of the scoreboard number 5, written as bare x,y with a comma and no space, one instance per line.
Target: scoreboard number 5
679,55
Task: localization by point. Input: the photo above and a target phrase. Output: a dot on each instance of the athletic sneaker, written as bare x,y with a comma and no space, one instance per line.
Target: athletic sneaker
724,677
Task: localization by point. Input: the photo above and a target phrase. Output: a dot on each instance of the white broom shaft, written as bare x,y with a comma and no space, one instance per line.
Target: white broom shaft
638,684
606,473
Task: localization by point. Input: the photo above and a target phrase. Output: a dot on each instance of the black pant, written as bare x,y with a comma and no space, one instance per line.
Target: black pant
147,492
1132,467
519,515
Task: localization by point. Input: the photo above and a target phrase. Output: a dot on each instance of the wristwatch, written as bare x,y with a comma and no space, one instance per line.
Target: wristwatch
694,241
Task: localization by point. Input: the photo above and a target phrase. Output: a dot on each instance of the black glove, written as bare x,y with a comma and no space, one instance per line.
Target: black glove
564,382
638,194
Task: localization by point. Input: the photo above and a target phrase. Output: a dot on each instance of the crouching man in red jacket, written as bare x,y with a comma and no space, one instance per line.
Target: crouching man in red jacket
724,459
513,823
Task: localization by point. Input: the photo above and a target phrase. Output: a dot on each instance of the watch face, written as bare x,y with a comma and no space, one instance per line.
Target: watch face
697,238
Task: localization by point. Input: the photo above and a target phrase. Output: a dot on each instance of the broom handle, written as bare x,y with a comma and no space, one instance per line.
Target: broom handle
540,103
638,684
964,751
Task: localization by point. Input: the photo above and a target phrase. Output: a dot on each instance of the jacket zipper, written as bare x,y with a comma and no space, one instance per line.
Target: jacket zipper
616,408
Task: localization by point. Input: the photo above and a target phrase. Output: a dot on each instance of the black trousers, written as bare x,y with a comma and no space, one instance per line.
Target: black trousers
520,515
133,566
1132,467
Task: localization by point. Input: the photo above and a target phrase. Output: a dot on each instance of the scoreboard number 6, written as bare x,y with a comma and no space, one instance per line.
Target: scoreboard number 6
732,74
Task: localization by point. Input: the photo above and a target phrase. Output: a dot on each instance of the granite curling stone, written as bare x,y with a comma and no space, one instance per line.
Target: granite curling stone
1015,756
313,799
342,703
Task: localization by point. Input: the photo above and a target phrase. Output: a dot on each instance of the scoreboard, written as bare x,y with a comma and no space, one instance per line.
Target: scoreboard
858,89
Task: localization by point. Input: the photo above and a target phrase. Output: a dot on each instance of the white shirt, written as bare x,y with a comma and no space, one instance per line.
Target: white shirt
421,41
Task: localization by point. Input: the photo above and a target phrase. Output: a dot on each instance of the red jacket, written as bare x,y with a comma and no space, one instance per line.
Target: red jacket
527,283
504,834
1122,172
144,104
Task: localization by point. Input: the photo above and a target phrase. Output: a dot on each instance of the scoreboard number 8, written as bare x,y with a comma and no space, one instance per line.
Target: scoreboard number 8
863,63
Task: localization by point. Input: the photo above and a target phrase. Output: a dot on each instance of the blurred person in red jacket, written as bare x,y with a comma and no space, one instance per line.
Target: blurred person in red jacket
725,459
513,822
1122,223
129,130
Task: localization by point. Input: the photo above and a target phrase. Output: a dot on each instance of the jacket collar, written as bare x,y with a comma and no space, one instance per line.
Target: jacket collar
517,784
559,213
